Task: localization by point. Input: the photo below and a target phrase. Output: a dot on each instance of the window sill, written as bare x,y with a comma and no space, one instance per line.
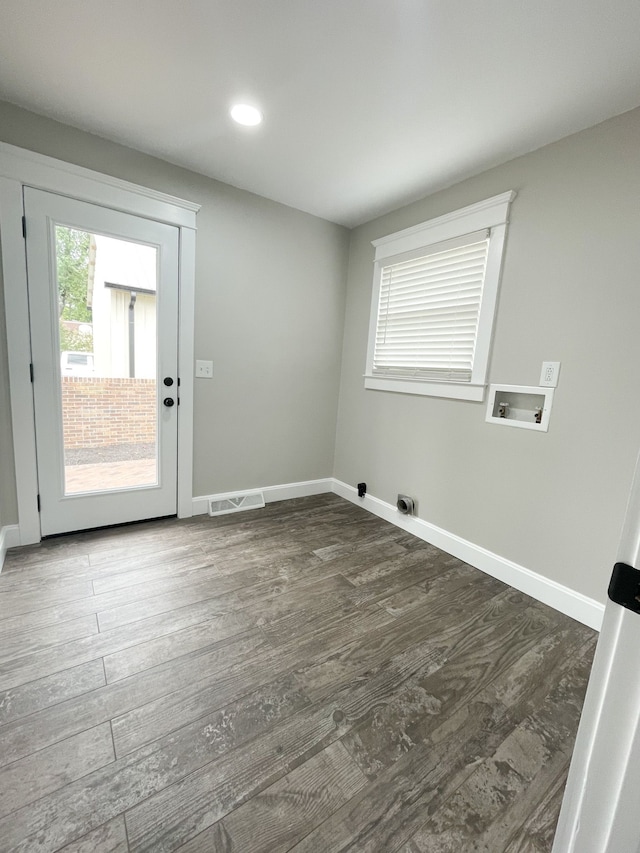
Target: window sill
452,390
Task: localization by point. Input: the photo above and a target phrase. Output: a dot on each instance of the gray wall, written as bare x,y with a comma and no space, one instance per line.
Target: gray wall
270,308
570,292
270,290
8,507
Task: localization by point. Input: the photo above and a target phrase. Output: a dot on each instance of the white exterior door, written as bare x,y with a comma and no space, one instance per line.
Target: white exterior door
103,301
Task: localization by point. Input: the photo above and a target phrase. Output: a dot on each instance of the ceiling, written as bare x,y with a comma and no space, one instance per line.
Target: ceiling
368,104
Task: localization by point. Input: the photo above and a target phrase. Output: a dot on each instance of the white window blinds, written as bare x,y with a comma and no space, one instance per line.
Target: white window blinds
428,311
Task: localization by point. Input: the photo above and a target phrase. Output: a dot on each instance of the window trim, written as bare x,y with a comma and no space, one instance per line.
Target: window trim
492,213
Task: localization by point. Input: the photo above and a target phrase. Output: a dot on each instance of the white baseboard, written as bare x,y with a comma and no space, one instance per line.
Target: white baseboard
573,604
271,493
9,538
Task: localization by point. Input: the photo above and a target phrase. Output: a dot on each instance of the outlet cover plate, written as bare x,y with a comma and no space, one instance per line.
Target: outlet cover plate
549,374
204,369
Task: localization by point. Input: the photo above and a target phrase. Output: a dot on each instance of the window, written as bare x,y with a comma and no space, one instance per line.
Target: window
434,299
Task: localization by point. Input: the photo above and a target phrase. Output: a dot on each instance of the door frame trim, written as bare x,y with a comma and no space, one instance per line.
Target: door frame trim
19,167
599,806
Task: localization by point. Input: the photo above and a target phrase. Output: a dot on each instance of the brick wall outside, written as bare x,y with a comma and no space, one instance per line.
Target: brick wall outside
100,412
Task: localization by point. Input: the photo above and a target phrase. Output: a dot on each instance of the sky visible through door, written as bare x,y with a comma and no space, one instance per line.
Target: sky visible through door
108,355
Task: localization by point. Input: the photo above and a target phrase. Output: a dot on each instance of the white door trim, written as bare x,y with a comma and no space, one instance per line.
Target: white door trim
600,804
17,168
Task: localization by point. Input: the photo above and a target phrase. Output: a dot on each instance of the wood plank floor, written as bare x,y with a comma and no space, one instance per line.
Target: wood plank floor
303,677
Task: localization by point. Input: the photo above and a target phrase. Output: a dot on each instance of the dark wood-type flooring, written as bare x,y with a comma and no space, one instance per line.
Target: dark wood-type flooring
303,677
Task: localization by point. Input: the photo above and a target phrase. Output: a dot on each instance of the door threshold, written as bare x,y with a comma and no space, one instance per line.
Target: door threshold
107,527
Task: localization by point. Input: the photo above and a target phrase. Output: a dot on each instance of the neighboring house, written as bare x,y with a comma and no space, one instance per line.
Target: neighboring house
122,294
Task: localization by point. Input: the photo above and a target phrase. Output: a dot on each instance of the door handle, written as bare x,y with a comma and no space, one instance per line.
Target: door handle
169,401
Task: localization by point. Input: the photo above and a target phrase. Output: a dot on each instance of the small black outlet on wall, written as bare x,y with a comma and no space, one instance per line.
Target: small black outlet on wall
362,490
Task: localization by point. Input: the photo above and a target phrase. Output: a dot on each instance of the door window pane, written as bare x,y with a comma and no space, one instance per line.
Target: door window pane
108,354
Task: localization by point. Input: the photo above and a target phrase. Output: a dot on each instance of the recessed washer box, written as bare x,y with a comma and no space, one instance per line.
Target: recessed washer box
524,406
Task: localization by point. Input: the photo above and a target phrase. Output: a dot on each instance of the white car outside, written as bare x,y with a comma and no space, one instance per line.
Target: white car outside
76,363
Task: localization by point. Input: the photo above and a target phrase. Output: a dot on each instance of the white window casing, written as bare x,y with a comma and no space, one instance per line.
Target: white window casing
434,299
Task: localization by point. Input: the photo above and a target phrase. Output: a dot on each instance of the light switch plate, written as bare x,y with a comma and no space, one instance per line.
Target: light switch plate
549,374
204,369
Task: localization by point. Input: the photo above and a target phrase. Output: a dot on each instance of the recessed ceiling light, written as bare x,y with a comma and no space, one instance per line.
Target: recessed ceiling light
245,114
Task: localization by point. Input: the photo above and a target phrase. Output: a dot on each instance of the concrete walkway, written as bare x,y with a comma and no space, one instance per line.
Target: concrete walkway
110,475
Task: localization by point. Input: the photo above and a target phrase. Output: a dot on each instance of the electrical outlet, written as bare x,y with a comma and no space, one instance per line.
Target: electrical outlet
549,374
204,369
